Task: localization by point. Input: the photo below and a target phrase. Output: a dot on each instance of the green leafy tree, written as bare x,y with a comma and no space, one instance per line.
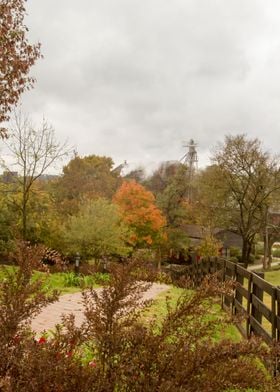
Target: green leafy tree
177,209
251,176
8,220
213,206
96,231
33,151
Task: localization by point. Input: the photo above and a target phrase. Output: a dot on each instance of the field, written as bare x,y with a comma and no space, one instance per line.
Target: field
273,277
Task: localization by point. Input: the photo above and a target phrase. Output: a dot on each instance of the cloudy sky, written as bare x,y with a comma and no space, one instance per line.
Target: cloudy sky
133,79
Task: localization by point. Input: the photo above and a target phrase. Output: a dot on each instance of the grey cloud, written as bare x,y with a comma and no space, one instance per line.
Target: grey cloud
132,79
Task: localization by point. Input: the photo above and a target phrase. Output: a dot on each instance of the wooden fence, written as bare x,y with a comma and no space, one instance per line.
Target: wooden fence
253,296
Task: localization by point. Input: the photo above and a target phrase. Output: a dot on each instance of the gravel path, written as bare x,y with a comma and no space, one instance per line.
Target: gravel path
72,303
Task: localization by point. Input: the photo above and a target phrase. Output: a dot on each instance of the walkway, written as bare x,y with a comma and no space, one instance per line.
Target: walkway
73,303
260,266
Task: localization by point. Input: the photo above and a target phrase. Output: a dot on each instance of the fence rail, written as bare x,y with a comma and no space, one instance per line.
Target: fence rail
253,296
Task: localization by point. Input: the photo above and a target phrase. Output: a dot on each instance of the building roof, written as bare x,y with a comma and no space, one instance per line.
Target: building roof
197,232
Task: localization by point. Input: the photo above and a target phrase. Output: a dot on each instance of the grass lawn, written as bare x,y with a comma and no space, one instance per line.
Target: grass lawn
64,282
67,283
157,311
273,277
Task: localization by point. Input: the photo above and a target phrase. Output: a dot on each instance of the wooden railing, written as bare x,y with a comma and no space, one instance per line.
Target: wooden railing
253,297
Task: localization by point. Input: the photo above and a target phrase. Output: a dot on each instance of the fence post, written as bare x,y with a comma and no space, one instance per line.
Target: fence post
229,274
223,280
77,263
273,310
240,280
258,292
249,306
277,312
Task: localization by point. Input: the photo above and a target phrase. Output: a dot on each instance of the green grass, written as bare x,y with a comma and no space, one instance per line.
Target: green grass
273,277
158,310
58,281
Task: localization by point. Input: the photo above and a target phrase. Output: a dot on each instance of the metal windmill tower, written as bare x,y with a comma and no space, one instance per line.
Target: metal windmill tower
191,161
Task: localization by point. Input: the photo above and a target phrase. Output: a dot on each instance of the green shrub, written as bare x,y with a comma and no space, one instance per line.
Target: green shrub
275,252
70,279
259,249
235,252
98,278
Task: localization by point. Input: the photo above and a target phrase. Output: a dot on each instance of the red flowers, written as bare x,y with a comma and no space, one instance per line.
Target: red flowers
42,340
17,339
92,364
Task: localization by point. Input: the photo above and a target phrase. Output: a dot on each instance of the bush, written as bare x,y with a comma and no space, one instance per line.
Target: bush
275,252
114,350
235,252
259,249
209,247
71,279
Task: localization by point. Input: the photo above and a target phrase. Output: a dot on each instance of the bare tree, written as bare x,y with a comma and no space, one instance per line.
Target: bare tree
33,152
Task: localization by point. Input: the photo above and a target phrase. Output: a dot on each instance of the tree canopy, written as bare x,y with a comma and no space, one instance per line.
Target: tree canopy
96,231
140,213
17,56
85,178
251,176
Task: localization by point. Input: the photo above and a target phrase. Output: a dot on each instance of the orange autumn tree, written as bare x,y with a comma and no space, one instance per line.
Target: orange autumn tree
142,216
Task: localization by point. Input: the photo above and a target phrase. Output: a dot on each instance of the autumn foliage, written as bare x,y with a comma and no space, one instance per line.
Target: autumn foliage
116,349
16,56
145,220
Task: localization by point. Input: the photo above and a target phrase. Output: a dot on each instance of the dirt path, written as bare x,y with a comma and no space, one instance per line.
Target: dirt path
72,303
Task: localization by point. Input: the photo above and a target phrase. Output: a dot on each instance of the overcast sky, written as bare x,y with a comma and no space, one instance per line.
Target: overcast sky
133,79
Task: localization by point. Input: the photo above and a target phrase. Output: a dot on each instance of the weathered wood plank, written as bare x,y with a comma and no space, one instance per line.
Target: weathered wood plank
239,306
242,291
242,330
243,271
262,284
259,330
230,265
262,308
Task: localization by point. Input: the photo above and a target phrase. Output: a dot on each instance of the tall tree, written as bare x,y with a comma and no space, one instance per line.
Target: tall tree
251,176
173,198
33,152
84,178
161,177
212,207
174,203
16,57
8,219
140,213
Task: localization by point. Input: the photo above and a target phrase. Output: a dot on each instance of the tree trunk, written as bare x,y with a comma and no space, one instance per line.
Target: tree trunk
24,218
265,251
159,259
269,253
246,251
